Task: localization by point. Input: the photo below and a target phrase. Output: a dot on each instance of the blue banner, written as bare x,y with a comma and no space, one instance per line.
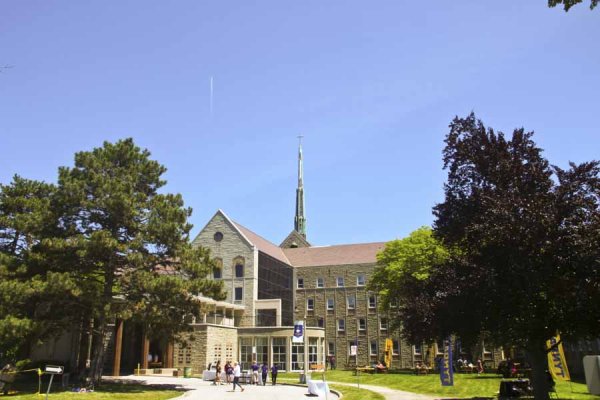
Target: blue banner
446,373
298,332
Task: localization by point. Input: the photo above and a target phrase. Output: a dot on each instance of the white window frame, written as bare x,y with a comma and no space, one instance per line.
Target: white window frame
341,325
332,305
371,343
300,283
310,304
374,305
338,280
362,324
364,280
320,282
351,296
383,326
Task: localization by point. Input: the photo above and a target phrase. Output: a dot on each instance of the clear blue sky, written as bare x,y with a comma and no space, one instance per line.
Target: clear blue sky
371,85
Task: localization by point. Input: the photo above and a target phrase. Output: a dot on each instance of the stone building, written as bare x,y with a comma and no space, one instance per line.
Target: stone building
269,289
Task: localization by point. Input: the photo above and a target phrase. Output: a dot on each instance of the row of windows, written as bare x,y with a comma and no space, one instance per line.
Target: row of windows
373,348
238,271
350,302
360,281
362,324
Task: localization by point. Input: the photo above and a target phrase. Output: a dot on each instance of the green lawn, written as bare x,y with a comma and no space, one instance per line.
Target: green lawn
352,393
465,385
105,392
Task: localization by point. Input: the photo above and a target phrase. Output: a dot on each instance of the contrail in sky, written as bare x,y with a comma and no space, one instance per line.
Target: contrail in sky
211,95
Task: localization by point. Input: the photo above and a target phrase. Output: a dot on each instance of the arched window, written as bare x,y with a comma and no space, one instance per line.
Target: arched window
238,263
218,269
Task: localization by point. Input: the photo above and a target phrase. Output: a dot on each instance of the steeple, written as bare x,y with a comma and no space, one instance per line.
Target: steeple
299,220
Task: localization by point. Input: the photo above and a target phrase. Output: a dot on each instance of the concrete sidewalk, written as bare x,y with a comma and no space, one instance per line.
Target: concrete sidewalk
203,390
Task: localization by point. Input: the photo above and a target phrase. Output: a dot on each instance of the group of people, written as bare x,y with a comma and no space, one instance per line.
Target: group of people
462,364
233,373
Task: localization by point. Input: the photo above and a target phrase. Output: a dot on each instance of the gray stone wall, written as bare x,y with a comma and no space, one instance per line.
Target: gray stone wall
231,248
352,333
206,344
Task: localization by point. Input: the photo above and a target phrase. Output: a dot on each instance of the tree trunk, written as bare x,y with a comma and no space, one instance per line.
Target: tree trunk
539,377
98,351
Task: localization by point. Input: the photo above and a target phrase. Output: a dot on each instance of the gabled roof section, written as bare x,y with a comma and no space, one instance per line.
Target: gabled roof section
229,221
345,254
294,239
262,244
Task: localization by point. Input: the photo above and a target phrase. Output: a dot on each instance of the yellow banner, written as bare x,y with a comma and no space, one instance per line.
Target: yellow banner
389,349
557,364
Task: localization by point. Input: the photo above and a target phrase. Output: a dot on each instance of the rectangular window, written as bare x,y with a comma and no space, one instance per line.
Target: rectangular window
372,301
279,348
360,280
362,324
239,271
373,348
297,356
341,325
351,302
217,273
330,304
239,294
310,304
331,348
320,282
340,281
394,303
321,323
395,347
418,349
300,283
383,324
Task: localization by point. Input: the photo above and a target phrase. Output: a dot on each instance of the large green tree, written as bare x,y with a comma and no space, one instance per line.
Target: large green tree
116,247
529,263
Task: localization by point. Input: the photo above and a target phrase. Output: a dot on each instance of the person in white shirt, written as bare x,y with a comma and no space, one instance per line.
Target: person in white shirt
236,375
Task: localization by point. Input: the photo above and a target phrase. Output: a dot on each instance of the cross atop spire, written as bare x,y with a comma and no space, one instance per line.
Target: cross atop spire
299,219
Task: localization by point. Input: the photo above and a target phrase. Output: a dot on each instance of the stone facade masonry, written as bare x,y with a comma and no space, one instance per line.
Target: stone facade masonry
232,249
206,344
329,318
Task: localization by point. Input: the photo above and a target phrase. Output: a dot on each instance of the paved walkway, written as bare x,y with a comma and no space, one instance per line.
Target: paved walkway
389,394
202,390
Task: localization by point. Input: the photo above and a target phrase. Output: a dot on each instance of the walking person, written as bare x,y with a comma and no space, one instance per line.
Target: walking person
274,374
254,368
229,372
237,372
265,371
218,374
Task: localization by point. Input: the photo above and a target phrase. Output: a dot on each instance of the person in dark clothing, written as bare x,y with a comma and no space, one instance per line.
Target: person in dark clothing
274,374
265,371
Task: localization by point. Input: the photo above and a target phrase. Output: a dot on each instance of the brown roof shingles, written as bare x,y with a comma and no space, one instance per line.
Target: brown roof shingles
345,254
263,244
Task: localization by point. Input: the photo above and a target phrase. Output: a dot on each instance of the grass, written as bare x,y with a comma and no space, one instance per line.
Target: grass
466,386
352,393
106,391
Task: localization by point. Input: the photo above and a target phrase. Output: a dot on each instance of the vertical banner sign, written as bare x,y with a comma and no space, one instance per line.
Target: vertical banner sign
557,364
298,332
446,373
389,350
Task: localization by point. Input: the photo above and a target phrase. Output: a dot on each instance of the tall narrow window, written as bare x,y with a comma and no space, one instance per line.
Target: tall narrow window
372,301
239,293
395,347
341,325
310,304
373,349
300,283
239,270
351,302
320,282
340,281
331,348
383,324
217,273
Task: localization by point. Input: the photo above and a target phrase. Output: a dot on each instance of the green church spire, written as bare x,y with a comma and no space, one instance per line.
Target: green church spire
299,219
